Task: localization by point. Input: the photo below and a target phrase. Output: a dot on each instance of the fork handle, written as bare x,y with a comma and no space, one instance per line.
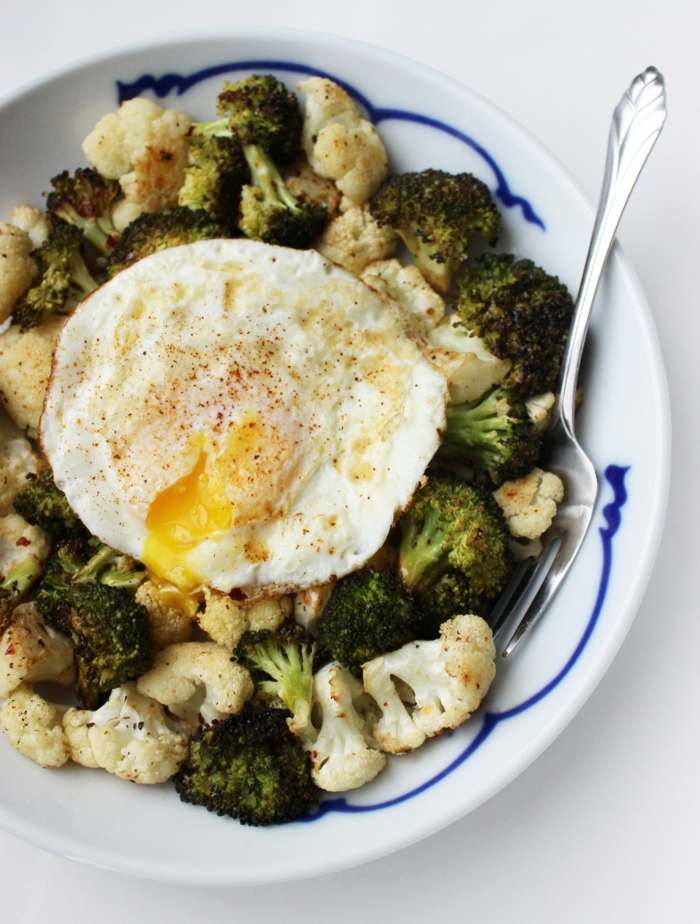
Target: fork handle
637,121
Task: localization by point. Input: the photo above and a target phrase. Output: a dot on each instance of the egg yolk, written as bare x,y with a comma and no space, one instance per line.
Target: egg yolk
180,517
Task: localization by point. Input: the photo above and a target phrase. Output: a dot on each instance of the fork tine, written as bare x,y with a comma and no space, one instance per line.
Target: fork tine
555,575
508,599
537,573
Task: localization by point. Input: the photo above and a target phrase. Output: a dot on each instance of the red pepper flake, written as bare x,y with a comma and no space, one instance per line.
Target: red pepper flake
22,541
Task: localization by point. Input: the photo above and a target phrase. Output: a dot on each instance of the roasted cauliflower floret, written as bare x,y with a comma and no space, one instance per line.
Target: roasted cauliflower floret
225,620
302,181
170,613
530,503
144,147
309,604
408,287
17,460
354,239
344,753
540,408
25,367
33,221
469,368
31,651
442,683
17,269
339,143
128,736
17,540
198,682
33,726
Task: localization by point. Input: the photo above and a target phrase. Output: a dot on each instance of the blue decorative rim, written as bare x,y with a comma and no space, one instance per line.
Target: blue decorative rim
164,85
615,474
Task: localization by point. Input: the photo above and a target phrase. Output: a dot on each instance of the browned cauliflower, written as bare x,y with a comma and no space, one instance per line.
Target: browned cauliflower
33,221
225,620
530,503
339,143
198,682
354,239
25,367
169,612
129,736
144,147
33,726
407,285
442,682
17,540
31,651
17,460
17,269
470,369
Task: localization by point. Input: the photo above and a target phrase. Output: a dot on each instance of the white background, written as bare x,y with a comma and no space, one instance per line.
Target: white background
604,826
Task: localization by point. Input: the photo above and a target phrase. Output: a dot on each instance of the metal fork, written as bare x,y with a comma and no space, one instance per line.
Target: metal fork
636,124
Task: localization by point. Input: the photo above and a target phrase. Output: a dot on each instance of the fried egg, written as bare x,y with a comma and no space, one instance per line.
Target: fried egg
238,415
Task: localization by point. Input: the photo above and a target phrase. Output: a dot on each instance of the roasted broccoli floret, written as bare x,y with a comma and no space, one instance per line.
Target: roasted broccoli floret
436,213
258,111
451,596
216,174
249,766
493,434
264,118
85,201
64,278
522,314
16,585
42,504
368,613
454,526
154,231
110,630
282,665
269,211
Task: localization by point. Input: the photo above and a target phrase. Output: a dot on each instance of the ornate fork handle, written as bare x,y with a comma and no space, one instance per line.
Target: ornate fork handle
637,121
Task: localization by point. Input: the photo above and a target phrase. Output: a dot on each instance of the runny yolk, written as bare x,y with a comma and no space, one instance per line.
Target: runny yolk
191,509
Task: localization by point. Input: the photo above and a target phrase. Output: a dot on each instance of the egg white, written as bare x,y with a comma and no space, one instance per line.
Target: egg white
257,409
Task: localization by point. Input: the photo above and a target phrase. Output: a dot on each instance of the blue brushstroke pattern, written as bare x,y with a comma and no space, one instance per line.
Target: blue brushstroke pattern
615,474
164,85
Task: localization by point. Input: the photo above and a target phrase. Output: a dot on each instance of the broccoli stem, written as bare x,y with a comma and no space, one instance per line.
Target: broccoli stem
89,572
423,552
15,585
268,178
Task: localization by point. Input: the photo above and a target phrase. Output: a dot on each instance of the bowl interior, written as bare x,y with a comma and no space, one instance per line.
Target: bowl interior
425,120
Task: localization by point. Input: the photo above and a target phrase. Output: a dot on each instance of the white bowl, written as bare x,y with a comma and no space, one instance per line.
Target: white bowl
426,120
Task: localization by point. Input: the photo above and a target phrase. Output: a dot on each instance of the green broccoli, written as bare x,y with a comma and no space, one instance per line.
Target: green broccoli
216,174
269,211
85,200
368,614
265,119
435,213
16,585
154,231
111,632
64,277
42,504
451,596
454,526
258,111
494,434
287,657
249,766
522,314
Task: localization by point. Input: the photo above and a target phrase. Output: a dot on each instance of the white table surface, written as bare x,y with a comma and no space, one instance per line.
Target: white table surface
604,826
